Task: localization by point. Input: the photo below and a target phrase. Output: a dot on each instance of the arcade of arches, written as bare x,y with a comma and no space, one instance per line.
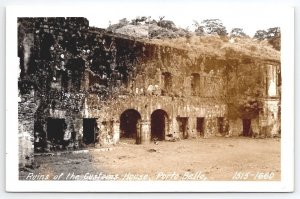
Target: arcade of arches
162,127
131,126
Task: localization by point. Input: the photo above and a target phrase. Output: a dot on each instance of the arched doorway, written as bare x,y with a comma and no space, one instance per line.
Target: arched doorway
130,125
159,124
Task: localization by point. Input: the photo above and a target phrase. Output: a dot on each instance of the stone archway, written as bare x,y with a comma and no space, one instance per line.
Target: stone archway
159,124
130,125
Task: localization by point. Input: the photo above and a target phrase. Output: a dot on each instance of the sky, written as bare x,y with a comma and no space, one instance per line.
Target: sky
249,18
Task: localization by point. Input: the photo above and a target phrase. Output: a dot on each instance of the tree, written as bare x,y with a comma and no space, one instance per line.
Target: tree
138,20
237,32
199,30
273,32
167,24
272,35
260,35
213,26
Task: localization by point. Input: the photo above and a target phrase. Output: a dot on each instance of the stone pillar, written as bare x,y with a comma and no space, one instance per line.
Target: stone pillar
210,127
145,132
26,146
116,132
255,125
192,132
167,127
27,108
174,129
269,122
271,81
104,135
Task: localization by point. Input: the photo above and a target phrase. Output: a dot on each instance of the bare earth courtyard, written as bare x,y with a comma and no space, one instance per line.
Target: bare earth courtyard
219,158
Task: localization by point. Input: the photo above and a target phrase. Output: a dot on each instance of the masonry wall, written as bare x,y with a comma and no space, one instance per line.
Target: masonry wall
174,107
78,73
26,110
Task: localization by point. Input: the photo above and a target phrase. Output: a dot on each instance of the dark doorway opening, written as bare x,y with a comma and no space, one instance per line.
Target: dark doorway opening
130,125
89,130
159,124
220,124
183,126
56,130
247,130
200,125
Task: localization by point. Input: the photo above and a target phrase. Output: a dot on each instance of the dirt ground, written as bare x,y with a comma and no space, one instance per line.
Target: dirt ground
219,158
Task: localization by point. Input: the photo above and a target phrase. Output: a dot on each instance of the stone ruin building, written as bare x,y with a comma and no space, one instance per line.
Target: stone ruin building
81,86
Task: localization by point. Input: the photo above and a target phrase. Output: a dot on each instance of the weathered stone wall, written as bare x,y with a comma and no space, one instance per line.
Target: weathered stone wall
86,73
269,119
174,107
235,127
26,110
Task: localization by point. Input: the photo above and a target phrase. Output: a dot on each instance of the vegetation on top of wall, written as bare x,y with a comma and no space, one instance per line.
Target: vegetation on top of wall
210,37
215,45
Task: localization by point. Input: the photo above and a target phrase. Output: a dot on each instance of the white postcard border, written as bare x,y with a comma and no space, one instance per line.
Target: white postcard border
12,174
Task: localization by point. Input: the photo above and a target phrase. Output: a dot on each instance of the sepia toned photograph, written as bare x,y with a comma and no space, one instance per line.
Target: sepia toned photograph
148,98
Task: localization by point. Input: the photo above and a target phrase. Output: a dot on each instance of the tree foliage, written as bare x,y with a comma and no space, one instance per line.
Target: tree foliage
260,35
167,24
212,26
237,32
272,35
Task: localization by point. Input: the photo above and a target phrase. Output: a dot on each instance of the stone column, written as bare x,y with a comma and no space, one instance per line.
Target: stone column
27,108
145,132
192,133
210,127
271,81
174,129
116,132
104,135
269,123
26,147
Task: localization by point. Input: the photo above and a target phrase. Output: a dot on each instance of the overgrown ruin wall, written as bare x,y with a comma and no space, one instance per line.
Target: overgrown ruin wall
27,106
86,79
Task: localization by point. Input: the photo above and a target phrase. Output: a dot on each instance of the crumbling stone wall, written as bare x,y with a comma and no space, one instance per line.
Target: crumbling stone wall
249,83
270,119
146,78
46,48
79,72
174,107
26,110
